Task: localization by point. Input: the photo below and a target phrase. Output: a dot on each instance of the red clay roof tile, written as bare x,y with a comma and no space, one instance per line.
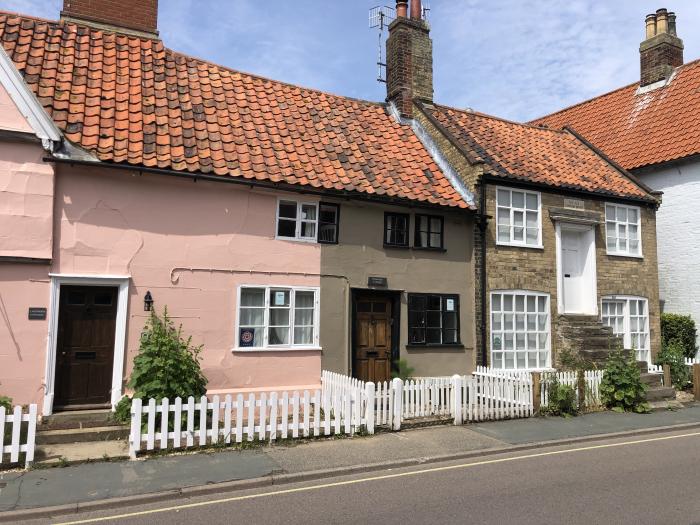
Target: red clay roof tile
529,153
132,100
639,129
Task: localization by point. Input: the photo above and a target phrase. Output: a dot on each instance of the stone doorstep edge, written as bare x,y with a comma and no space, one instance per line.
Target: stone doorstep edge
288,478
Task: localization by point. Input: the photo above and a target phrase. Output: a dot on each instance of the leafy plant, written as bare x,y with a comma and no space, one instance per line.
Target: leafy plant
167,365
673,355
679,329
6,402
621,388
561,399
403,370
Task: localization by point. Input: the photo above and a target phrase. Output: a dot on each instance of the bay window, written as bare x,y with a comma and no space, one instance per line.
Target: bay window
520,330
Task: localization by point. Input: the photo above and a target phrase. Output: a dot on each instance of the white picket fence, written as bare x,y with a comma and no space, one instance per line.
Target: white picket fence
656,369
262,416
593,379
20,438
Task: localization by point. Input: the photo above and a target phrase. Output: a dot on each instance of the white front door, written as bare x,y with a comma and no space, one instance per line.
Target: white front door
578,281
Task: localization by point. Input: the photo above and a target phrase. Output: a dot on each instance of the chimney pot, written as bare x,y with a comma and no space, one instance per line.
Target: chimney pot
401,8
661,21
651,26
416,10
672,24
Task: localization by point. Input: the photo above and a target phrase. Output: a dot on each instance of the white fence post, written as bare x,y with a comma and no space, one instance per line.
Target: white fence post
397,388
457,399
369,407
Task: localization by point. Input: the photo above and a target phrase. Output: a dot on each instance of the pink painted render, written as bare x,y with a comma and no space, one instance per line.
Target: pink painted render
11,119
26,201
22,342
191,245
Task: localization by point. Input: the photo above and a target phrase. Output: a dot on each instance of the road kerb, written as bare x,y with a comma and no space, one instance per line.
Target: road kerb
297,477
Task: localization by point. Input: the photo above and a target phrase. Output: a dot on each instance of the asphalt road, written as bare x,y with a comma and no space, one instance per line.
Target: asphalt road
652,479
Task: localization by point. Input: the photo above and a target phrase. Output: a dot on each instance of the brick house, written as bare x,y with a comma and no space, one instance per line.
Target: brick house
652,128
567,238
287,229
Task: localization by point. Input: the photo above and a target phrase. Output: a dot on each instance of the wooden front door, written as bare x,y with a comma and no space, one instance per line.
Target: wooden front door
372,339
85,346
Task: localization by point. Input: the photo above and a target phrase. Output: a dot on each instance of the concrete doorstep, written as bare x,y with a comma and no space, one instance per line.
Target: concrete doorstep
105,485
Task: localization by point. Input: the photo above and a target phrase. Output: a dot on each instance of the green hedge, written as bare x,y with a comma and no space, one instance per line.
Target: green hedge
679,330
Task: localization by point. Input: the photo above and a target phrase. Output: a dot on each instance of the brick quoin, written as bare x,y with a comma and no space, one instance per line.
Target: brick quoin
140,15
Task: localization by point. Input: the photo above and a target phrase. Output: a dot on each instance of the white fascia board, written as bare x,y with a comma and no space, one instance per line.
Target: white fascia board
27,103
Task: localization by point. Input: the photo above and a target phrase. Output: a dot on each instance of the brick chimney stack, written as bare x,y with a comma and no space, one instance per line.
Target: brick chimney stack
409,58
662,51
138,17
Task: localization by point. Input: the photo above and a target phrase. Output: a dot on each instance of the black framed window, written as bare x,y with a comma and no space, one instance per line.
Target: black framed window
429,232
433,319
396,229
328,222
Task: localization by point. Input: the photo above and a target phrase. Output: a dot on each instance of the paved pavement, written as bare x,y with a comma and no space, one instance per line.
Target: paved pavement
99,481
639,481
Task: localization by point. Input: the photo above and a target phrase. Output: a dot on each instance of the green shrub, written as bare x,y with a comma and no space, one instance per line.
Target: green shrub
679,329
403,371
561,399
621,388
167,365
6,402
673,355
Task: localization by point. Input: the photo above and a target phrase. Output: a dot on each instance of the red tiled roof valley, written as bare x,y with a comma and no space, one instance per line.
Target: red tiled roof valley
527,153
641,129
132,100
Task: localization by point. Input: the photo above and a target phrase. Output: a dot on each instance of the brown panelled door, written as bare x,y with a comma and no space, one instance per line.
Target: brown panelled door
372,341
85,346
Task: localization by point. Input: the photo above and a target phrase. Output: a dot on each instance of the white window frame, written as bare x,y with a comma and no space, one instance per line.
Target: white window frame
643,354
548,330
513,242
298,220
266,319
617,252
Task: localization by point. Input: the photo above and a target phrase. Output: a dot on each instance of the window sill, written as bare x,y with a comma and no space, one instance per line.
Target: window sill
515,245
421,249
455,346
280,349
294,239
396,247
625,255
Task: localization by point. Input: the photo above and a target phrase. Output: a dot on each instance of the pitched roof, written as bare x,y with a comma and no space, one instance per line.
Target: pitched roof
641,129
131,100
531,154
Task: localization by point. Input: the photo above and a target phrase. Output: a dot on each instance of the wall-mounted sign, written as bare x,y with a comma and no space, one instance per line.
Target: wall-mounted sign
576,204
279,298
37,314
378,282
246,338
450,305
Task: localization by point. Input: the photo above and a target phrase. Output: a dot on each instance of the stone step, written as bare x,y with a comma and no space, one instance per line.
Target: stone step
661,393
78,419
653,380
81,435
62,454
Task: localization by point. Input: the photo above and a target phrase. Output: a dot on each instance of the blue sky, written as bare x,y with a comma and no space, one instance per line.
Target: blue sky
518,59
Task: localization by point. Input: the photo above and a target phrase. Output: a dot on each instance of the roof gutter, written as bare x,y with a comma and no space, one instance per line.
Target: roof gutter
252,183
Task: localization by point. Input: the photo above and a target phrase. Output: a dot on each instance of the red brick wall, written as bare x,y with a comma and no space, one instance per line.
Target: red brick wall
132,14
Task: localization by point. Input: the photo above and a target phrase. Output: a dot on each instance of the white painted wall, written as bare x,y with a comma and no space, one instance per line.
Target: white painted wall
678,237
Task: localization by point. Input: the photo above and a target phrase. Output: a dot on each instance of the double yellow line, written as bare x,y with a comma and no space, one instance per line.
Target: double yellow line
378,478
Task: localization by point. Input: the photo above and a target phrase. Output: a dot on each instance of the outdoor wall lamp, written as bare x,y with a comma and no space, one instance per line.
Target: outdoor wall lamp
147,302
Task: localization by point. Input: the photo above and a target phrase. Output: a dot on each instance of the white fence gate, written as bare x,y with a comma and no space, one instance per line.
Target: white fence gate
15,436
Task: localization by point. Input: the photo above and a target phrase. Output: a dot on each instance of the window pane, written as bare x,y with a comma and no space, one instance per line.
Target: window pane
304,299
496,302
632,216
327,233
503,217
531,201
252,317
279,298
518,199
278,336
303,336
433,336
308,212
449,320
252,297
504,233
435,240
308,230
328,214
435,225
449,336
503,198
433,319
279,317
416,335
286,228
288,209
610,213
621,214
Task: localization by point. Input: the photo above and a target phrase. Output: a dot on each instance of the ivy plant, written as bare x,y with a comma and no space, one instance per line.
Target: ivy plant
621,388
167,365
